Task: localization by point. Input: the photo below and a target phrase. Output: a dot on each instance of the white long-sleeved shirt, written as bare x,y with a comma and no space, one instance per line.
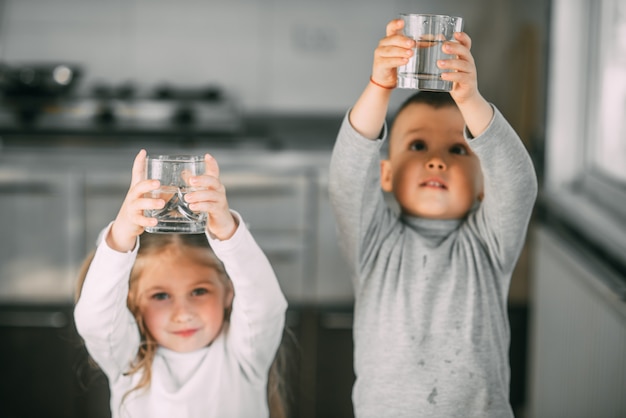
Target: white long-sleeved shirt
226,379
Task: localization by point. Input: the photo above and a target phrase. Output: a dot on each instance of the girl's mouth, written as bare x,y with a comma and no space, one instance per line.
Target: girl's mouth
186,333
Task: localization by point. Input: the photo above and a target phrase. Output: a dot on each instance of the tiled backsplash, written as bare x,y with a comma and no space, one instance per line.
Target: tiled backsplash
271,55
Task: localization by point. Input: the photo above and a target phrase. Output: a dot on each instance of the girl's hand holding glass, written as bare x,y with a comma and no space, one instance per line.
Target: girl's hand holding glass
131,221
211,199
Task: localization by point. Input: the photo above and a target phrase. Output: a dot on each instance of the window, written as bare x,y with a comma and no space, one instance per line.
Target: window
585,183
609,152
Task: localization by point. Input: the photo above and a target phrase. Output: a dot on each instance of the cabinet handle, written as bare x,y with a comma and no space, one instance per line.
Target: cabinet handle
264,191
113,190
26,188
337,321
33,319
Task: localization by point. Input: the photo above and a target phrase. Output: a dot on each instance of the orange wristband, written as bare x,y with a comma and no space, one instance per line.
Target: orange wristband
380,85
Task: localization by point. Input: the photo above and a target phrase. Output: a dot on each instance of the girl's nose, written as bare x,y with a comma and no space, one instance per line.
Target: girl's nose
182,312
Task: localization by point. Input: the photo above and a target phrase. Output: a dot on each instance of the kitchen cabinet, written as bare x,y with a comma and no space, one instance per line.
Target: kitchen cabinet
333,277
40,240
325,356
317,367
55,203
37,360
276,206
102,193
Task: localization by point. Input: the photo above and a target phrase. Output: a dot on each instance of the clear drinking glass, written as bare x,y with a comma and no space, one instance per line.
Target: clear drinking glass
430,32
173,171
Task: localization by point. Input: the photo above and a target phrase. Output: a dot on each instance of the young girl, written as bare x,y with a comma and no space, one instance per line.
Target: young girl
182,325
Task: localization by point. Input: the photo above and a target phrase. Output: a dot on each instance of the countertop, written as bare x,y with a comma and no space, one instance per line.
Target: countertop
257,132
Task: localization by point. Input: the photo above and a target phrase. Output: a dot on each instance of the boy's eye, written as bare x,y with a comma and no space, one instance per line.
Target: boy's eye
160,296
459,149
417,146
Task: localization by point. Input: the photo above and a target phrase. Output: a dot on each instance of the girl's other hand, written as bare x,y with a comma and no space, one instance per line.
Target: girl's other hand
221,223
392,51
130,221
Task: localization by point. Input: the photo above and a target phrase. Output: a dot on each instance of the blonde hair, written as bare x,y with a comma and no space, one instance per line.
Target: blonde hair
155,244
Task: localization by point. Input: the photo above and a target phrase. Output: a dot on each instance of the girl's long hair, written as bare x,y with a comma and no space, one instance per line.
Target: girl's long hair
153,245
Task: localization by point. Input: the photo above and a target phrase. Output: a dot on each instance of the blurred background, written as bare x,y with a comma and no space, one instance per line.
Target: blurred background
263,85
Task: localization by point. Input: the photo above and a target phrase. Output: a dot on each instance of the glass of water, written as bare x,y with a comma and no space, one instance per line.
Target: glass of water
429,32
174,171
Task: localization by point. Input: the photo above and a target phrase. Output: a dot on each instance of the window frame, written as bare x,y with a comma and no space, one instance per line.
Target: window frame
574,190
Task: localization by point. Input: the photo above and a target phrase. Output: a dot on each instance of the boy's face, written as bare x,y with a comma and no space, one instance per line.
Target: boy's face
182,301
431,170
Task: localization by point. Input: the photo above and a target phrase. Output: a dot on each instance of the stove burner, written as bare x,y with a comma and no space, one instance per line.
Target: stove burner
166,111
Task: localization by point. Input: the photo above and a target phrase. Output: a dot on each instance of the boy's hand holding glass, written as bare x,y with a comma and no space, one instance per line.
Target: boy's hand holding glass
460,69
410,54
431,33
392,51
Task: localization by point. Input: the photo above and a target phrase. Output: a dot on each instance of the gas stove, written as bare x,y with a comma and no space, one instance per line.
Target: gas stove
164,111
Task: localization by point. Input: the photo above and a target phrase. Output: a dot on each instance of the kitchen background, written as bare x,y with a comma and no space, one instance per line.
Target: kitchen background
261,84
271,56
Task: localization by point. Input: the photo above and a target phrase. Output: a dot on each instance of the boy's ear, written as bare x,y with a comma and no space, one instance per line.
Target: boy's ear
481,187
386,180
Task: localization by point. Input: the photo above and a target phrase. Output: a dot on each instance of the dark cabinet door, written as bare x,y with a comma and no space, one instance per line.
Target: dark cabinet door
44,367
322,384
37,377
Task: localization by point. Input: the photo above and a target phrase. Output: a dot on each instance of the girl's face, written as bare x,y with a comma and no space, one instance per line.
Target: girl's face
431,170
182,301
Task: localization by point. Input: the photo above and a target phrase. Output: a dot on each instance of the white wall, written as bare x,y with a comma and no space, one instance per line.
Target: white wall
274,55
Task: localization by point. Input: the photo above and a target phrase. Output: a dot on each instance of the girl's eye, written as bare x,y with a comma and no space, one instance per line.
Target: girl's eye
459,149
200,291
417,146
160,296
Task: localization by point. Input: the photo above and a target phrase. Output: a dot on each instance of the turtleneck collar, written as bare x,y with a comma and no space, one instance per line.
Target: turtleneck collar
435,229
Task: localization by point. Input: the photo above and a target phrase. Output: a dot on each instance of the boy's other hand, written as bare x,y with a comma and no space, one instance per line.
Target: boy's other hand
130,221
392,51
463,74
477,112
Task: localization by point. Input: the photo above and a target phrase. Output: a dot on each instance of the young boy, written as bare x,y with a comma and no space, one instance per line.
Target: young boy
431,332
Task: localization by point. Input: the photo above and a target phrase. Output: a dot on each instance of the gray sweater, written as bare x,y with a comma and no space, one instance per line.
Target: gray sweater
431,332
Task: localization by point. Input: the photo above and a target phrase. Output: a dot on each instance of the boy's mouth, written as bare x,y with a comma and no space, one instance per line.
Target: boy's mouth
435,183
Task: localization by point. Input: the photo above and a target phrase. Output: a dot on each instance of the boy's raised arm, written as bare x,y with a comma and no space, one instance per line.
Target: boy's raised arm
368,114
477,112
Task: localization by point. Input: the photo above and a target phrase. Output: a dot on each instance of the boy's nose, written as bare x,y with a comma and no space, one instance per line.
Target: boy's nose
436,163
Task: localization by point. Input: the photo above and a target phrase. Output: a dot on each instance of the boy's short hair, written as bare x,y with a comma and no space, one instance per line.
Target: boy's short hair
435,99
